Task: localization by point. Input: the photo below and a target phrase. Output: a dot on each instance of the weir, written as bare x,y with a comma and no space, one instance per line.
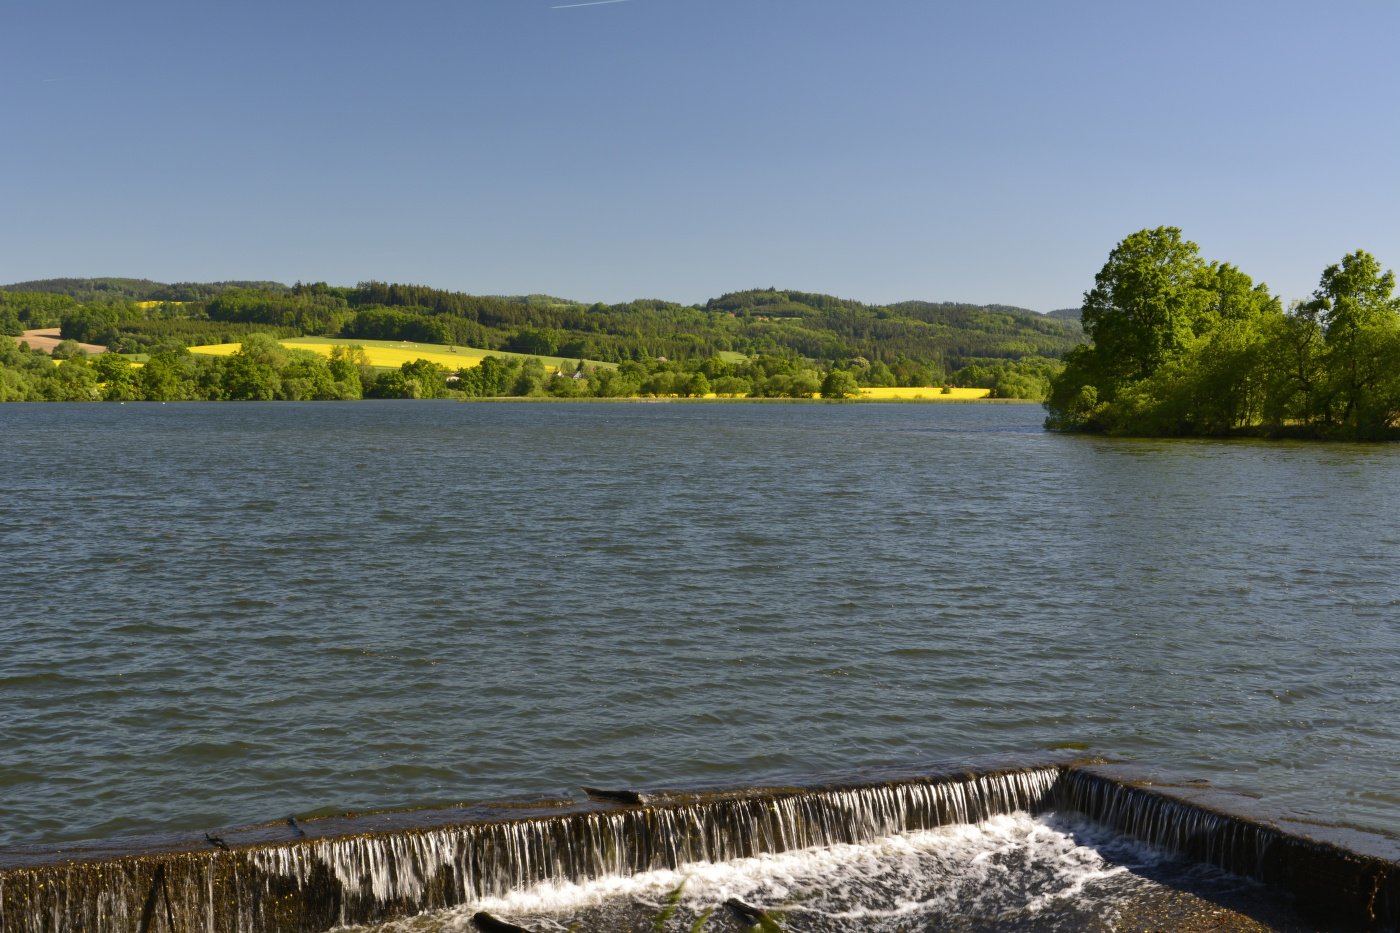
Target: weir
280,878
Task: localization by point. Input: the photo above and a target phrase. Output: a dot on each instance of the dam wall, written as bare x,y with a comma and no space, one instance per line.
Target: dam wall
290,877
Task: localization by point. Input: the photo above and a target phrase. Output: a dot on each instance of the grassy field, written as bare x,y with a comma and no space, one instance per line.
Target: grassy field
391,354
927,394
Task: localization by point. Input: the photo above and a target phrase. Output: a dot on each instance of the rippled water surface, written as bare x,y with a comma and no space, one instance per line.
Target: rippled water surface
225,613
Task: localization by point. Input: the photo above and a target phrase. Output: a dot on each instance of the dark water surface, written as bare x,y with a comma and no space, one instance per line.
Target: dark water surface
224,613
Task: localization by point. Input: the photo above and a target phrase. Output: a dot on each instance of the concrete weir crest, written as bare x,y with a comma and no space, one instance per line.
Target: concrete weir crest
286,877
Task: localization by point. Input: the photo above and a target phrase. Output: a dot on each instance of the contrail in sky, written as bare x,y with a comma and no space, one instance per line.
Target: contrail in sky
570,6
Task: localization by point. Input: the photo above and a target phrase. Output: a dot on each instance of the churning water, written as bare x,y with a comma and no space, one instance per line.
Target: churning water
1008,872
226,613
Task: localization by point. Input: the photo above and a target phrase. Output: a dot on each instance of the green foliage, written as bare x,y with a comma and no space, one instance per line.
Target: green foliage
765,342
68,350
73,380
314,314
491,378
33,310
165,379
91,324
116,290
839,383
415,379
1185,347
117,378
261,370
1360,317
530,379
731,386
535,341
1029,378
1145,304
10,325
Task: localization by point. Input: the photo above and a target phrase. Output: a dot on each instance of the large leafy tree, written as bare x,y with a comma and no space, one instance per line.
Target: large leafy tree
1176,344
1143,310
1146,304
1360,316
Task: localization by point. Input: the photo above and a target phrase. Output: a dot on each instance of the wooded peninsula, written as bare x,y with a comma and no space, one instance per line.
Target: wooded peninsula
1181,346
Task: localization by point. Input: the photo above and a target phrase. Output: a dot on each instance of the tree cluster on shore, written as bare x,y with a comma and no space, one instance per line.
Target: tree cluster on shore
265,370
1011,351
1184,346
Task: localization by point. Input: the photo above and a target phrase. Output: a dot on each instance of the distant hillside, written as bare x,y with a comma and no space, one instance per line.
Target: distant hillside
920,342
110,290
758,342
950,332
1065,314
992,318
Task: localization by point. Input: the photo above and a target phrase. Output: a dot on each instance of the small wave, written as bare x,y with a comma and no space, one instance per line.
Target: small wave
211,751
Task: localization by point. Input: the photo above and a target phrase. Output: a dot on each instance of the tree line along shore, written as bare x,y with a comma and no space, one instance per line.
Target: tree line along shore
762,343
262,368
1166,343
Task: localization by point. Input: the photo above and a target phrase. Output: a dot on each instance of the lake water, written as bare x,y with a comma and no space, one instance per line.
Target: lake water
224,613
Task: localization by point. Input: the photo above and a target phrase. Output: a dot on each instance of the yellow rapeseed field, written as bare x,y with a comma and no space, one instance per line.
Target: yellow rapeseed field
391,354
925,393
383,353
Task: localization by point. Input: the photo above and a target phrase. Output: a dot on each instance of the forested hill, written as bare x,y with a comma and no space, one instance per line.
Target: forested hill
117,290
921,343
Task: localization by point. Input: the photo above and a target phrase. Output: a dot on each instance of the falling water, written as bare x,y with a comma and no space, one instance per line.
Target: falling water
316,883
333,877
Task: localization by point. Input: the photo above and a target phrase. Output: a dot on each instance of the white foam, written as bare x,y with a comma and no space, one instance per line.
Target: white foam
1005,867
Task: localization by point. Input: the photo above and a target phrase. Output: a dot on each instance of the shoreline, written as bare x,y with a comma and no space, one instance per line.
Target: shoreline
528,399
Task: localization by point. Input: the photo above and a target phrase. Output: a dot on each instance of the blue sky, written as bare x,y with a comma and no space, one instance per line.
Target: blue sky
879,150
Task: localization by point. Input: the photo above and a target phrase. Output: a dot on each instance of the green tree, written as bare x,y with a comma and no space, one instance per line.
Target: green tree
733,386
22,372
254,372
118,378
564,385
878,375
415,379
535,341
531,378
69,350
804,384
1145,305
491,378
664,384
73,380
1292,367
1361,317
1180,346
613,383
9,322
307,377
839,383
163,378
